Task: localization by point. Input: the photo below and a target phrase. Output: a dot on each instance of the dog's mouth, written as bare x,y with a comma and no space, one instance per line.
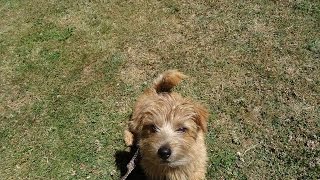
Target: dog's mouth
166,162
169,163
174,163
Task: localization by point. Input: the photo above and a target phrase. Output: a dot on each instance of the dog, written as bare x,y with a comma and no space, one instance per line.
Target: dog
169,131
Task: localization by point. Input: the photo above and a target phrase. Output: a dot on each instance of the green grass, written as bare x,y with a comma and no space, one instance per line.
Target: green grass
71,71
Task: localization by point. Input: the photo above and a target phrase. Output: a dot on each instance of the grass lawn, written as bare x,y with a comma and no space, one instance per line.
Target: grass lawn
70,72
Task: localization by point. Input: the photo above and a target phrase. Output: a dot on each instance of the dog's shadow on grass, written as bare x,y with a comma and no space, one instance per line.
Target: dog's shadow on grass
122,159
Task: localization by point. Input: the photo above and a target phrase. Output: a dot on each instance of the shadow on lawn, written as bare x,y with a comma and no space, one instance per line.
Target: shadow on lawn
122,159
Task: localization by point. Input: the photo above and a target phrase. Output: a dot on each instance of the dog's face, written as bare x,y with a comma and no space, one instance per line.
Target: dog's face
168,126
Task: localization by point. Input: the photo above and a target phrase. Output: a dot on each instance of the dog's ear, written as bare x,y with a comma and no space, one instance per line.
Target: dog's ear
202,116
136,122
134,125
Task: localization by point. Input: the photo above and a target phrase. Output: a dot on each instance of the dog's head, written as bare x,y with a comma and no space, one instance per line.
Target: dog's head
167,126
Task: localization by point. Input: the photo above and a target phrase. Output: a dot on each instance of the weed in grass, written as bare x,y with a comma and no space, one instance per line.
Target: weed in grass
112,66
45,32
314,46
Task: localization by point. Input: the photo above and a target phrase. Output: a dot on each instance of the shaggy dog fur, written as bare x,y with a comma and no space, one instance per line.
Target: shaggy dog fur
169,131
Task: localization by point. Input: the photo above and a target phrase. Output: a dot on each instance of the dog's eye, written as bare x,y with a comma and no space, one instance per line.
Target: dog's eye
182,130
153,128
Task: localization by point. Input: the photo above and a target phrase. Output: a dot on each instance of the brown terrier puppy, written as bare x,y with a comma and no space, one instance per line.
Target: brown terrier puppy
169,131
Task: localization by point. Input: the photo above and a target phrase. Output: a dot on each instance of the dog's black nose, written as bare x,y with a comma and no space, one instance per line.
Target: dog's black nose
164,152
